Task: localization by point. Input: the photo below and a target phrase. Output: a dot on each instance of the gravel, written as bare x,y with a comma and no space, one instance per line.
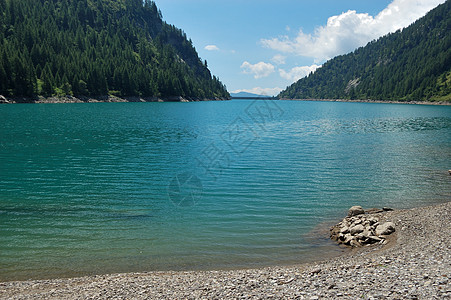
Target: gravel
415,264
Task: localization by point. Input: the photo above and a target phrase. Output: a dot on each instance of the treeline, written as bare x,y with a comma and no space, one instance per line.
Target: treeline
97,47
409,65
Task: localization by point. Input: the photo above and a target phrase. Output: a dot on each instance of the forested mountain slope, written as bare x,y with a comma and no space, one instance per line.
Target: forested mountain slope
98,47
413,64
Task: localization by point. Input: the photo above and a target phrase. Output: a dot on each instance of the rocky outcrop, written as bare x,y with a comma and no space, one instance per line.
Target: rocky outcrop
3,100
107,98
362,227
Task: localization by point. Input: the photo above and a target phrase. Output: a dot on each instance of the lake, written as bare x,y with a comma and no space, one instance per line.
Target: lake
120,187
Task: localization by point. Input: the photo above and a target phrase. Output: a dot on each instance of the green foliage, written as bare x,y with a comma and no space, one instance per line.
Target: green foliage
96,47
408,65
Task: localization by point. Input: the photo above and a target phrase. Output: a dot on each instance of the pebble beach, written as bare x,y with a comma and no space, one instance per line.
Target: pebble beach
415,263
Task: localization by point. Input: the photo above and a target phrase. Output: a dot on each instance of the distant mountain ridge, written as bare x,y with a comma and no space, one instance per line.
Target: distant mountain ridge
413,64
246,95
97,48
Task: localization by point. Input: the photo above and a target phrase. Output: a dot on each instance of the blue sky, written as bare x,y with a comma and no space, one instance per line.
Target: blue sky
263,46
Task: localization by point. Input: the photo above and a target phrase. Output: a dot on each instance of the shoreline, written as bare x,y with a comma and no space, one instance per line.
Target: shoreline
100,99
115,99
415,264
374,101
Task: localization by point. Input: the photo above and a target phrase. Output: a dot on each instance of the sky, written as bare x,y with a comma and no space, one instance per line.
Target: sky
263,46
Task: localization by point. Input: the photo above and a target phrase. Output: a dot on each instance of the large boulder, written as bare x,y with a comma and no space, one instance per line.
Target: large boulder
357,229
385,229
344,229
355,210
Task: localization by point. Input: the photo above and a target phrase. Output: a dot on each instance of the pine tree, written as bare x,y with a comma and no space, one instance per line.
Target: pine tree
3,81
48,81
23,78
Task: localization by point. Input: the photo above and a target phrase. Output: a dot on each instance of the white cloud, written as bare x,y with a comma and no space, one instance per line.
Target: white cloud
350,30
297,73
211,48
279,59
261,91
259,70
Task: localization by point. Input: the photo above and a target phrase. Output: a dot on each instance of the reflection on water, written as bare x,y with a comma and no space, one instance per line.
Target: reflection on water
383,125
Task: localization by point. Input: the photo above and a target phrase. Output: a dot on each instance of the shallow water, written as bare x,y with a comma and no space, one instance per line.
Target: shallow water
118,187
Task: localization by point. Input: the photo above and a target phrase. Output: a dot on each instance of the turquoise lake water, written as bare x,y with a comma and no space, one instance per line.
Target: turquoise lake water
118,187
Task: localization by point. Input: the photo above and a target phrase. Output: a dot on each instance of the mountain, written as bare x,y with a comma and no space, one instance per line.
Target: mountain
246,95
408,65
98,47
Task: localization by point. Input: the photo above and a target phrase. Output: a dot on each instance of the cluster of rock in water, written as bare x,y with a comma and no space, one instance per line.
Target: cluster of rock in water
362,227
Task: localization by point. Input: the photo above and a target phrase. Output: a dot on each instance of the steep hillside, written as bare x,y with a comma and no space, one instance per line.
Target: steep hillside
408,65
98,47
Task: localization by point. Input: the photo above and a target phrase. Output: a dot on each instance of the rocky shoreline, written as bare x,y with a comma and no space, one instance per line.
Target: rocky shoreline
414,264
110,98
376,101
